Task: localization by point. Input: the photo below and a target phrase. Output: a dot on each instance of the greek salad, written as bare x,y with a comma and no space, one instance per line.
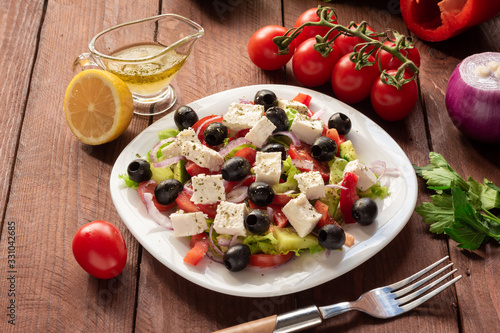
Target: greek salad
264,182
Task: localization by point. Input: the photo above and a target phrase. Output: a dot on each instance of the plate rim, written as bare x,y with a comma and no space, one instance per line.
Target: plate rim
387,229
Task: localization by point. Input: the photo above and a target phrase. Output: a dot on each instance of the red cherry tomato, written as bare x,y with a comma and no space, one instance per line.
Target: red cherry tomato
351,85
393,104
346,44
388,61
269,260
310,15
247,153
310,67
262,50
100,249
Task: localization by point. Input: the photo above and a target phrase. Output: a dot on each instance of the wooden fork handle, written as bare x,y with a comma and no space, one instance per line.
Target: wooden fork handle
264,325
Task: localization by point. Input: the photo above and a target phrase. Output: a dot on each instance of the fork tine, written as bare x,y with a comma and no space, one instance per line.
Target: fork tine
415,303
415,276
417,293
414,286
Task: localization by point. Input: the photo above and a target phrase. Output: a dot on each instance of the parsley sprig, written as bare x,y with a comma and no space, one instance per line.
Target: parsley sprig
460,209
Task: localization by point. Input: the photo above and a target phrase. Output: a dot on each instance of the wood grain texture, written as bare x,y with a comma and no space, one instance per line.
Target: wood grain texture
53,184
60,184
17,58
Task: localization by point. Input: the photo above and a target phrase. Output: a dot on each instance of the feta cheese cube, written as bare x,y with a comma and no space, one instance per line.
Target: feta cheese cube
301,215
306,129
267,167
230,218
188,224
366,178
208,189
242,116
259,133
202,155
297,106
311,184
175,148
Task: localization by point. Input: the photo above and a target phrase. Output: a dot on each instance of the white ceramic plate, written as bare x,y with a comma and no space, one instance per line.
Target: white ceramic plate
371,143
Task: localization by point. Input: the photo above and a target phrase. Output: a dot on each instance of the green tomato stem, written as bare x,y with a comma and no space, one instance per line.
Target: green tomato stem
361,55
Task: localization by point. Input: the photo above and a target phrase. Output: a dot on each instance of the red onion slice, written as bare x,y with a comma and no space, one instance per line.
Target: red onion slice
156,147
188,188
303,164
237,195
318,114
155,214
336,186
231,145
380,168
168,162
211,241
223,241
231,243
292,136
244,101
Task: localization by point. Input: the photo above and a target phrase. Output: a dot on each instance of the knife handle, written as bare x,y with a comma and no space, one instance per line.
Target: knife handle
264,325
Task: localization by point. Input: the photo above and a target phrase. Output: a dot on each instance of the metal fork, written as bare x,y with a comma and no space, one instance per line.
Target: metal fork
384,302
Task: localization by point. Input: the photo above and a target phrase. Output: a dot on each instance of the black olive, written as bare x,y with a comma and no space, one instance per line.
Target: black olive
266,98
185,117
215,133
331,237
278,117
323,149
235,169
275,147
139,170
364,211
167,191
260,194
340,122
257,221
237,257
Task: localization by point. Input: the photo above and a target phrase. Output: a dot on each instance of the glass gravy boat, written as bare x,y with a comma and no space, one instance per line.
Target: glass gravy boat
146,55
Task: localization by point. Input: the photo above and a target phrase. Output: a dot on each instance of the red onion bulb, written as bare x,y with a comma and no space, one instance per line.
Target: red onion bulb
473,97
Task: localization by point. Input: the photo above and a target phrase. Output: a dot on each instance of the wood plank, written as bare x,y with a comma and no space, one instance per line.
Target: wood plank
478,296
166,301
60,184
16,73
397,260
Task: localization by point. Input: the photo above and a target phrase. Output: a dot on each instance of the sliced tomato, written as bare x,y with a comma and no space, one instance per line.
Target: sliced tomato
184,202
348,196
149,187
196,253
303,98
196,238
269,260
303,152
281,199
279,217
242,133
201,124
194,169
248,154
326,218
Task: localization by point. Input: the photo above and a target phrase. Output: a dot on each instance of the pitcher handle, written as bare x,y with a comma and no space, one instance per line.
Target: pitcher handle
83,62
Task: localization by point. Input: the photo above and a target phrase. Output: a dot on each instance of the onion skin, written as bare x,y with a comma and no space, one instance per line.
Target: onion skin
473,103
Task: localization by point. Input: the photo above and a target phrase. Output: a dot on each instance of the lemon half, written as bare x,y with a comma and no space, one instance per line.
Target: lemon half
98,106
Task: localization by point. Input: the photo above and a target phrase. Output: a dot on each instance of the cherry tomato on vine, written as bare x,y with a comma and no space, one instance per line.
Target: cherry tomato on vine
392,104
100,249
310,15
346,44
388,61
351,85
262,50
310,67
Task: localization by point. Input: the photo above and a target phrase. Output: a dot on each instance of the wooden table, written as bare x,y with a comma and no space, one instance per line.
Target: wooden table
52,184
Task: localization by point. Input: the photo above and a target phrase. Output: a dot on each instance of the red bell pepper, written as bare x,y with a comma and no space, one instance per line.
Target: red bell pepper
348,196
434,20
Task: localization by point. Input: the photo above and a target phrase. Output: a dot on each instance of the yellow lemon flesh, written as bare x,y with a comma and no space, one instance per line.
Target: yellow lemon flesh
98,106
